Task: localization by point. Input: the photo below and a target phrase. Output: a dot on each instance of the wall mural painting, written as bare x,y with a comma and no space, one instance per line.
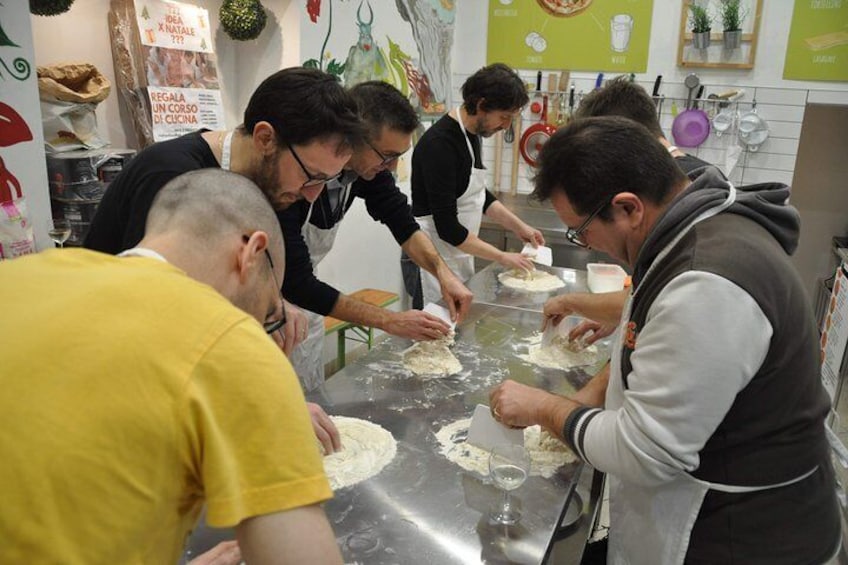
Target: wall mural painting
415,58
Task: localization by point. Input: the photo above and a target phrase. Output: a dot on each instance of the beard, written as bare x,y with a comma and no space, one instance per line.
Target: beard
267,178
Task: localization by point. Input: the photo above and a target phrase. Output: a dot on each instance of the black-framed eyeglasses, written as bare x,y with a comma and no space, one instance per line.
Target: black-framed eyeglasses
311,180
275,325
386,159
575,236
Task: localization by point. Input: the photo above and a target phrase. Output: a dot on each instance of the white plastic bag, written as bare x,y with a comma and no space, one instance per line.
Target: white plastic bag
16,237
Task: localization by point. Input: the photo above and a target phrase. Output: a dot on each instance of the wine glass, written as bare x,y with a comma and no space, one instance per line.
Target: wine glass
60,232
509,465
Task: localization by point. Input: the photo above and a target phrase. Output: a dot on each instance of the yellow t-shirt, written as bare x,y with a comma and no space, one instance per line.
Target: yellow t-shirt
129,394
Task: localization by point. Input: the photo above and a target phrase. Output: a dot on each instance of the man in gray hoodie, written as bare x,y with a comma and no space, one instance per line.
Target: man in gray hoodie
711,428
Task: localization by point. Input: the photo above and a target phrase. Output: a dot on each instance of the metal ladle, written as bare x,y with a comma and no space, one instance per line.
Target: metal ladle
692,82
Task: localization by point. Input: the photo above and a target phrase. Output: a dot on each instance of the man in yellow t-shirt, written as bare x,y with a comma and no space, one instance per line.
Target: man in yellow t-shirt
135,388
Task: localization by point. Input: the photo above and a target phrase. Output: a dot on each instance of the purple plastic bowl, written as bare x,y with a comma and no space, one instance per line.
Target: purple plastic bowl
690,128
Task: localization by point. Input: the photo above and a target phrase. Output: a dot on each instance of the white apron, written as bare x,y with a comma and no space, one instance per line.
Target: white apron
652,525
469,208
308,357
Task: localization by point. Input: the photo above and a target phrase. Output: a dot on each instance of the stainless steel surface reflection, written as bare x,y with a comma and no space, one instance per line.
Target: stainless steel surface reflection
488,289
422,508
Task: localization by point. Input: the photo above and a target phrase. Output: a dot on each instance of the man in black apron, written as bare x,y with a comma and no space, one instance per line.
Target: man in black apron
712,426
449,194
310,230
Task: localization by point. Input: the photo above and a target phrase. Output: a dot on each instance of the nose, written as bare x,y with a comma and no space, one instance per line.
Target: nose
311,193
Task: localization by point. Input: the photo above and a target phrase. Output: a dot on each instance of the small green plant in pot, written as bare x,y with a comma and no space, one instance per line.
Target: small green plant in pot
732,16
701,23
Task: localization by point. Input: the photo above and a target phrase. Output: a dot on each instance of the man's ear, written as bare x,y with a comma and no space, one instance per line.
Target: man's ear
251,254
264,139
632,207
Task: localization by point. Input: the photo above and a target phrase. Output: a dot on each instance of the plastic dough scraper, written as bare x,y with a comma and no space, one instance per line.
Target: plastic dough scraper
485,432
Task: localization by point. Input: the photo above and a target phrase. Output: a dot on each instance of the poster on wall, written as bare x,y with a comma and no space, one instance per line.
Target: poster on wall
406,43
24,201
818,41
180,68
579,35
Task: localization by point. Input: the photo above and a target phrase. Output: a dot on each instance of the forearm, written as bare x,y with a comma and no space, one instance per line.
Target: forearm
595,391
359,312
423,253
473,245
605,308
503,216
553,412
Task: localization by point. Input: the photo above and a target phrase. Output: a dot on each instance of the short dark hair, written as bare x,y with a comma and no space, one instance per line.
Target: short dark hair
593,159
621,97
304,105
382,105
497,86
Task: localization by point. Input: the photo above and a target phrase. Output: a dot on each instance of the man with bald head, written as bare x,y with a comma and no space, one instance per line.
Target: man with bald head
136,388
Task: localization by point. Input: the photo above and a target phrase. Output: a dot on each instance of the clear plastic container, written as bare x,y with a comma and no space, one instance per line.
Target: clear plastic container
605,277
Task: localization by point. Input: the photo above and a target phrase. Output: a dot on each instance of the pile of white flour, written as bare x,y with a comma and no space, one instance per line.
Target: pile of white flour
535,281
546,452
559,354
432,357
366,449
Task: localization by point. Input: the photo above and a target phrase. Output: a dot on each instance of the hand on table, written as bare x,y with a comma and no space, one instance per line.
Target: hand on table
598,331
530,235
516,261
415,324
295,330
457,297
325,429
225,553
516,405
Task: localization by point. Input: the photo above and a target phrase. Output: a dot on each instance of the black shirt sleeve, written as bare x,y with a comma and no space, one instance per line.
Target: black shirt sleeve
300,285
387,204
121,215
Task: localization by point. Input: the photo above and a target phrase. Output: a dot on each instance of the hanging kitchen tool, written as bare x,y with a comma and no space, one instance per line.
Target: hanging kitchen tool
562,100
509,134
656,96
567,114
753,129
536,103
692,126
513,187
552,111
599,81
726,115
536,136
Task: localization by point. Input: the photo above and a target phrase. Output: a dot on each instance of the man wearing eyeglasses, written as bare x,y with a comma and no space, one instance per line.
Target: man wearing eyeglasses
310,229
298,132
449,194
712,427
147,389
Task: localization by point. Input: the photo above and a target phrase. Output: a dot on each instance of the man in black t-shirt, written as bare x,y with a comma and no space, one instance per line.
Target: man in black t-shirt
449,194
309,229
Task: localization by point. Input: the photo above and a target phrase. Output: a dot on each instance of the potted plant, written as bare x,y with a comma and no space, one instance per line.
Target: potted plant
701,23
732,17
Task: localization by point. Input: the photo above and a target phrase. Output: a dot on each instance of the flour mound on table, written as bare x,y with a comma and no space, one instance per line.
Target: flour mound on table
535,281
366,449
432,357
546,452
560,354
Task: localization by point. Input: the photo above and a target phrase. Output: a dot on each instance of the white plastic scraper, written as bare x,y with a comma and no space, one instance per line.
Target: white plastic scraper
542,254
486,432
440,312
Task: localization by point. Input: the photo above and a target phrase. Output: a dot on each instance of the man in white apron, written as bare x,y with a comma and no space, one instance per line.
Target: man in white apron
449,193
712,427
310,230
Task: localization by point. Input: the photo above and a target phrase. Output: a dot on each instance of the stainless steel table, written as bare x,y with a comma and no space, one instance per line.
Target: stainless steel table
423,508
488,289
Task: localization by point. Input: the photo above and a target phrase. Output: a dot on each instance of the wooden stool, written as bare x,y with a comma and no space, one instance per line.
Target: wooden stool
362,334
